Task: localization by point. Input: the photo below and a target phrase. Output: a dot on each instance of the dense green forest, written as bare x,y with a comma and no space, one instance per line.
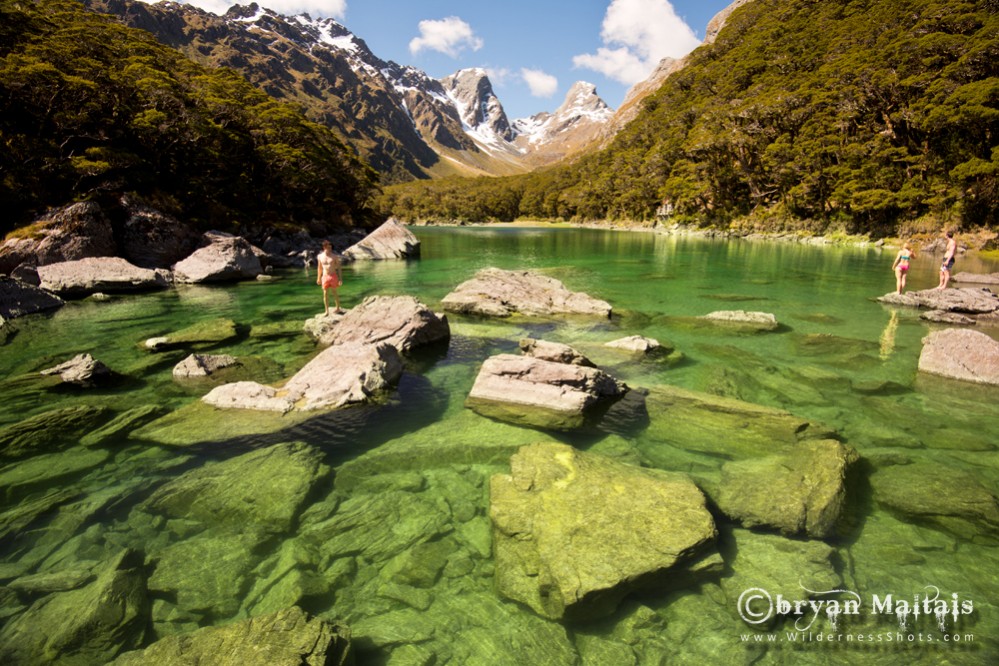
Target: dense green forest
803,113
90,109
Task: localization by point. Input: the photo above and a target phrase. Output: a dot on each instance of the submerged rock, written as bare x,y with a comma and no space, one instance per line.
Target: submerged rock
104,274
555,352
961,354
19,298
498,293
203,365
225,258
340,375
265,489
90,625
401,321
392,240
81,370
202,334
801,491
532,391
575,532
944,317
761,321
50,431
967,300
288,636
944,497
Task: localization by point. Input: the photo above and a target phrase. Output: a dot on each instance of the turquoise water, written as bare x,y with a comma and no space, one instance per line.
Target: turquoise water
839,359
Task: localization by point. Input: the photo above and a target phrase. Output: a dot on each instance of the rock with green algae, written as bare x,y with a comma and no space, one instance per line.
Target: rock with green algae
265,489
203,334
726,427
197,422
575,532
288,637
21,478
288,578
49,431
800,491
207,575
89,625
118,428
941,496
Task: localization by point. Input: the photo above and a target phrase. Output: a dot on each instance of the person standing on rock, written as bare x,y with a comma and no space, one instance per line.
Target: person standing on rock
329,276
901,266
948,260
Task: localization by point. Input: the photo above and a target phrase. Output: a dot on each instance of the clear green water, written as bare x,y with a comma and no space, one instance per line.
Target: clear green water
839,358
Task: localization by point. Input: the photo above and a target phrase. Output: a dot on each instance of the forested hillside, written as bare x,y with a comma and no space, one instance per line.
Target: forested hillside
866,113
90,109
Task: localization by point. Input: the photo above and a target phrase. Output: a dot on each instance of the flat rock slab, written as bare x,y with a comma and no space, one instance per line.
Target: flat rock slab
340,375
944,317
103,274
636,343
574,532
225,258
203,365
798,492
392,240
499,293
960,353
762,321
204,333
542,393
401,321
19,298
976,278
286,637
967,300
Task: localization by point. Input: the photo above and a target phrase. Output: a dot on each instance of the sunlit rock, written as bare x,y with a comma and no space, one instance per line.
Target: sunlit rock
761,321
575,532
962,354
98,274
555,352
81,370
225,258
401,321
499,293
392,240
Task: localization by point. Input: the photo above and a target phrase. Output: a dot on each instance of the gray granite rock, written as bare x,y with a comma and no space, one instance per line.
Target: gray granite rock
19,298
499,293
762,321
68,233
104,274
401,321
976,278
944,317
635,343
961,353
966,300
555,352
224,258
81,370
203,365
392,240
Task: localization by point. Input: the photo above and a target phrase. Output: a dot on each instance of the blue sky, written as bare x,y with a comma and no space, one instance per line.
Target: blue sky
534,50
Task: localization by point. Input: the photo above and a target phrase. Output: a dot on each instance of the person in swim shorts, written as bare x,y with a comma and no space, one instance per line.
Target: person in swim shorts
948,260
329,276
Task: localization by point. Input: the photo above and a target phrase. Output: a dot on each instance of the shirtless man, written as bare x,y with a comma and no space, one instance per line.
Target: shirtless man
948,260
329,275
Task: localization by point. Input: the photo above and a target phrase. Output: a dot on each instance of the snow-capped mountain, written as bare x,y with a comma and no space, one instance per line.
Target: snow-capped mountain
576,124
405,123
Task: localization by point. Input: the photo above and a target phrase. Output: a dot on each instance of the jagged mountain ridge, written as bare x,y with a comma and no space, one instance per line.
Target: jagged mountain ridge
405,123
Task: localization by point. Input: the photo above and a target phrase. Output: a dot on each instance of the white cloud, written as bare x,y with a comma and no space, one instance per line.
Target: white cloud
540,83
314,8
498,77
450,36
637,34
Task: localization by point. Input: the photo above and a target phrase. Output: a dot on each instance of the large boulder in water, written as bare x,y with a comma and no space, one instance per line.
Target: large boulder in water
758,321
533,391
288,636
19,298
340,375
392,240
89,625
224,258
401,321
801,491
962,354
98,274
574,532
499,293
265,489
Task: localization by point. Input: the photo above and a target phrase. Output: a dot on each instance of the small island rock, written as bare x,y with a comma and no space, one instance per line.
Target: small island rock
553,351
392,240
81,370
960,353
499,293
224,258
763,321
401,321
105,274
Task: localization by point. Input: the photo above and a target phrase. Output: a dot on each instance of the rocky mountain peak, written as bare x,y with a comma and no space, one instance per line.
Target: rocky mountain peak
582,100
479,108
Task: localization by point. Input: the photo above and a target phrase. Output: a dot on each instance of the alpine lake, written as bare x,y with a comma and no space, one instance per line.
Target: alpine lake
387,528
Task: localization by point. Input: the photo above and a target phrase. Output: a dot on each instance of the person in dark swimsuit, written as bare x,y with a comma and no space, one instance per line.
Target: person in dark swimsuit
948,260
